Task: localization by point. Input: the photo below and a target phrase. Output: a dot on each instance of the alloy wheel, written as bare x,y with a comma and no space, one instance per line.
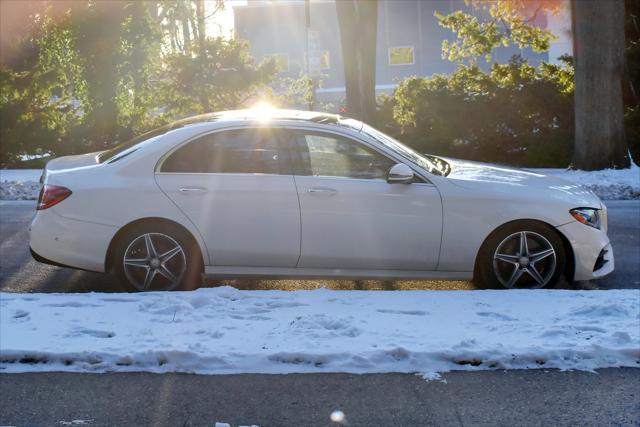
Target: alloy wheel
154,262
524,260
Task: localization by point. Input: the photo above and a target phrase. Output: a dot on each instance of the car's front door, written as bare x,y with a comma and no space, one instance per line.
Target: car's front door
237,188
352,218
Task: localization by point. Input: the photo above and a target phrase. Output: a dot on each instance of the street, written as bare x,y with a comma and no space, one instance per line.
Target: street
491,398
512,397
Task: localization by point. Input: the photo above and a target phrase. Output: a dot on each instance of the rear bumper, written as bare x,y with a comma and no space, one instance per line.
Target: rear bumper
592,251
66,242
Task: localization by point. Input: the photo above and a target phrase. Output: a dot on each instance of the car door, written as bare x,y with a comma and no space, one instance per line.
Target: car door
238,190
351,217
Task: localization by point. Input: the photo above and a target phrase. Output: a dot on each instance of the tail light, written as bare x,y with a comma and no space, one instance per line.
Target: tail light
51,195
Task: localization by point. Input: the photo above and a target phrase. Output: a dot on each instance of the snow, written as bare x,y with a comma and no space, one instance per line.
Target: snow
224,330
610,184
19,184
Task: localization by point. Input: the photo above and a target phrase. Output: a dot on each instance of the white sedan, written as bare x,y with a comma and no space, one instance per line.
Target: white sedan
301,194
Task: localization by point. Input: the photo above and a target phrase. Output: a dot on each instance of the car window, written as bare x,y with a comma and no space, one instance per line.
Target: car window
234,151
332,155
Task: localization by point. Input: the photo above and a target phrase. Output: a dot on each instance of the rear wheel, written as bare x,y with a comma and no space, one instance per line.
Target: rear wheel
157,257
521,255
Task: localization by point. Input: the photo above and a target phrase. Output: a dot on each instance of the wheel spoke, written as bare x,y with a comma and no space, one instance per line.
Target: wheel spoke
151,273
511,259
541,255
524,246
169,254
533,272
168,274
517,272
151,250
137,262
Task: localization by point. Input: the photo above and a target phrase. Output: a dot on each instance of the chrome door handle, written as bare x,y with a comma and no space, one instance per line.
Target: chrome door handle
321,190
192,190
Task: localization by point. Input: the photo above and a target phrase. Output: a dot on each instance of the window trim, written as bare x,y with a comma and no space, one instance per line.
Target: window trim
413,55
288,163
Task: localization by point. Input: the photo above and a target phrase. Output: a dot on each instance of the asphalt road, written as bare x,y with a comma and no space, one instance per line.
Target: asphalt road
20,273
491,398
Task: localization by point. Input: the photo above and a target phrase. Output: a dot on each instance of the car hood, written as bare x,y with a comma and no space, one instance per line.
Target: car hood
70,162
489,178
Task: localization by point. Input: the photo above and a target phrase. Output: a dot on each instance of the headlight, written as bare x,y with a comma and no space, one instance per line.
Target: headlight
587,216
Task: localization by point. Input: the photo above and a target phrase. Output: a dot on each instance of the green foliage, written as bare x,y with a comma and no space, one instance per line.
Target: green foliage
111,70
225,77
44,101
509,22
515,113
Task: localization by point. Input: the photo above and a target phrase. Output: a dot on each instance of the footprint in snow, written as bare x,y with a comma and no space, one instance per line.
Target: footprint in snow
20,314
496,316
407,312
91,332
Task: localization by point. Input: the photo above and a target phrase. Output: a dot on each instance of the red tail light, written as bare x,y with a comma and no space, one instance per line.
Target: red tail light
51,195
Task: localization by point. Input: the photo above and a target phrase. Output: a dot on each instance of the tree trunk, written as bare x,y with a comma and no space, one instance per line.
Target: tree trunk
358,22
598,28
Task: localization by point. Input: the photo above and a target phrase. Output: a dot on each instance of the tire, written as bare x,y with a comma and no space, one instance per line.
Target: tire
504,262
160,256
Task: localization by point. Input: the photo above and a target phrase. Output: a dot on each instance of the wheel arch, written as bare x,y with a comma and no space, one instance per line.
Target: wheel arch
108,262
569,267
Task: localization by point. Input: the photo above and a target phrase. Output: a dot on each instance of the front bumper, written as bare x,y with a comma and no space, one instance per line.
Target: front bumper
593,255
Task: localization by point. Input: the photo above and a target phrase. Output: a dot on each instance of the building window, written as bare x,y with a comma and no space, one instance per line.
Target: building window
325,62
281,60
401,55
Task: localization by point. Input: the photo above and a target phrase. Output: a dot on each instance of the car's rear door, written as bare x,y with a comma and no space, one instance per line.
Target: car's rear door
238,189
351,217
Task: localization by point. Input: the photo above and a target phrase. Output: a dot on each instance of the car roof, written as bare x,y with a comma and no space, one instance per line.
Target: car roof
260,115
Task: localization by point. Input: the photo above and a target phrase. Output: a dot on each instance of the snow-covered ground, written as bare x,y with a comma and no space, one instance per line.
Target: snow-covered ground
608,184
224,330
19,184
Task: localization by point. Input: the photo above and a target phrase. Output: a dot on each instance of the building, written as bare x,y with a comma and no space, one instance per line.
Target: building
409,41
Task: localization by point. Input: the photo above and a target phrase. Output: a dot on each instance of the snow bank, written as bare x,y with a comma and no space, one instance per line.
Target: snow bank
608,184
19,184
224,330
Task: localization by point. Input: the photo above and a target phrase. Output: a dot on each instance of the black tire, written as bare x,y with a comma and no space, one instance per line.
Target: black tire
186,266
495,270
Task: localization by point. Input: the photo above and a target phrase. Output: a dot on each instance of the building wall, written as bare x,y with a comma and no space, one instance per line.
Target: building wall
278,27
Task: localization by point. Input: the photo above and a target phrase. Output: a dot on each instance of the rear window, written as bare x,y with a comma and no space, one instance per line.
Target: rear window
117,149
234,151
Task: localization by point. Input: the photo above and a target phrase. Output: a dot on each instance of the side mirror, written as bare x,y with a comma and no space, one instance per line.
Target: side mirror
400,174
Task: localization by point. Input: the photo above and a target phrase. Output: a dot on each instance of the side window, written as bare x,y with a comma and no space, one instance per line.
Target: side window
332,155
235,151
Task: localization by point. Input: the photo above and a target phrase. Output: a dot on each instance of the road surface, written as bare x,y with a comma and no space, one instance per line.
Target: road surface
489,398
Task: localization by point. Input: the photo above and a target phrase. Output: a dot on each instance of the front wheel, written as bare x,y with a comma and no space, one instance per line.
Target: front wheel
157,257
521,255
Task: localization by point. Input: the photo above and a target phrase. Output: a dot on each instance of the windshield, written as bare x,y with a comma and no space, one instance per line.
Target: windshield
436,168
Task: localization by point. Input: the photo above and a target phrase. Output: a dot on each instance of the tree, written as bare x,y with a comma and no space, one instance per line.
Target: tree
358,21
41,98
598,28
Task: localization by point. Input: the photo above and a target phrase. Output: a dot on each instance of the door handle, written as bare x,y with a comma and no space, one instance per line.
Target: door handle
192,190
322,190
